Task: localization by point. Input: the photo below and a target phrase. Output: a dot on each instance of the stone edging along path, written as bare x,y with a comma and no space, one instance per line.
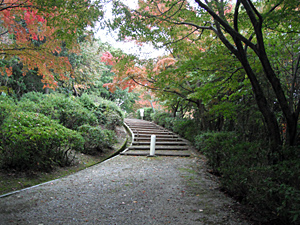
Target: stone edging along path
126,190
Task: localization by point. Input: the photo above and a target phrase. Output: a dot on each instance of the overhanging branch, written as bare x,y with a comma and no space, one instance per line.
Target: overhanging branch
165,90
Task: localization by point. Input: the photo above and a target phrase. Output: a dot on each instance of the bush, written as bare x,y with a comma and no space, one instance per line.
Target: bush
68,111
87,102
147,114
186,128
113,120
73,112
245,173
163,119
7,105
215,147
108,113
28,106
32,141
96,139
36,97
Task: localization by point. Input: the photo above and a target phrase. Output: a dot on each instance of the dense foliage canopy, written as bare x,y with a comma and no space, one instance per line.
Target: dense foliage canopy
222,50
34,33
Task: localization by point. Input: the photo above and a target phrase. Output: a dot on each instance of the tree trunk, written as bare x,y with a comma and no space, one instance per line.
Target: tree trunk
75,91
152,105
263,105
291,117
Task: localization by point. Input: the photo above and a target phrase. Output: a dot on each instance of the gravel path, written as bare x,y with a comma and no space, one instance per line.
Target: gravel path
125,190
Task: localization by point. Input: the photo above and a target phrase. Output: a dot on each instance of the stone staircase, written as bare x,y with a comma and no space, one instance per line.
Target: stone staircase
167,143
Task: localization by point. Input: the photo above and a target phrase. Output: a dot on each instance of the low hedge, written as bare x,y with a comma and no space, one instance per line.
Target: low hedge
32,141
96,139
246,173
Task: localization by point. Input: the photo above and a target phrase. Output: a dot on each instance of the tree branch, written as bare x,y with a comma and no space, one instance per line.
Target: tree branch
169,91
275,6
173,5
226,26
227,43
173,42
5,32
13,5
257,25
297,109
236,14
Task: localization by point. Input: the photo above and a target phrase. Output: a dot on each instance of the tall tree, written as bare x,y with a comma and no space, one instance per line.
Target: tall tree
244,28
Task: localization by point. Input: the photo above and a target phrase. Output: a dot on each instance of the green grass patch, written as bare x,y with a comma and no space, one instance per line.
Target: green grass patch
188,170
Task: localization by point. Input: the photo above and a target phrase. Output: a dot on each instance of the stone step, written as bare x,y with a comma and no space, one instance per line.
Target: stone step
158,153
154,132
161,147
160,143
157,136
144,127
148,138
167,142
150,130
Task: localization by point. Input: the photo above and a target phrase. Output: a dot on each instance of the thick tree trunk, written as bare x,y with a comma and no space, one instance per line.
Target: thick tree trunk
263,104
290,116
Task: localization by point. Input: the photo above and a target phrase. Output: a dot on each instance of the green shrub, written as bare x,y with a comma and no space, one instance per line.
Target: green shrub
163,119
32,141
68,111
87,102
7,105
113,120
187,128
33,96
73,112
28,105
245,173
96,139
147,114
215,147
108,113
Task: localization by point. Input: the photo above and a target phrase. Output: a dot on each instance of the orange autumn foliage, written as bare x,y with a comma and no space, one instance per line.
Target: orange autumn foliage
128,75
33,36
164,63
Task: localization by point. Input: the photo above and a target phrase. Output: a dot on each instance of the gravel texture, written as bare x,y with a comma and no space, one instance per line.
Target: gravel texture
126,190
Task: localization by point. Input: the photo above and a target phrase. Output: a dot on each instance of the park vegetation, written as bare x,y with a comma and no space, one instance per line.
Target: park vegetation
230,83
53,103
